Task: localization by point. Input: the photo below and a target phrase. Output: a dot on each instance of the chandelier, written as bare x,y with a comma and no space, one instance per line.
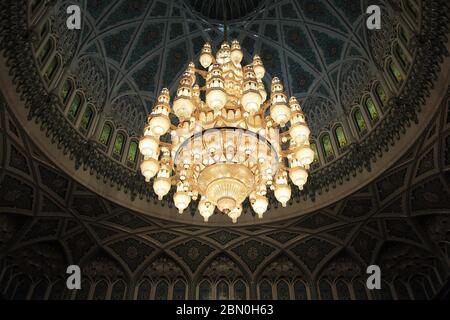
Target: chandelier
225,141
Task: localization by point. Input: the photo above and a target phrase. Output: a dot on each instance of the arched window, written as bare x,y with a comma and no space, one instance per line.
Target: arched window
385,292
240,290
75,107
265,291
400,53
327,147
283,290
105,136
132,153
118,146
162,291
83,293
86,120
395,72
222,291
359,290
325,290
44,30
40,290
45,51
300,290
118,290
316,153
371,109
340,136
411,9
57,291
144,290
22,289
401,290
359,121
100,290
342,291
66,90
52,68
179,290
404,36
380,93
204,290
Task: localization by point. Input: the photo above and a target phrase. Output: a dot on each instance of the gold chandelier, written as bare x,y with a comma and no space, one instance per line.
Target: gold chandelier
233,145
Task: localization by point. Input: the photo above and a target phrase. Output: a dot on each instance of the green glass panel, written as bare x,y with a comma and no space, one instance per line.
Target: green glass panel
132,152
372,109
222,291
118,144
327,146
316,154
45,52
401,55
66,89
240,291
87,118
51,70
105,135
395,72
340,136
74,107
205,291
360,123
381,93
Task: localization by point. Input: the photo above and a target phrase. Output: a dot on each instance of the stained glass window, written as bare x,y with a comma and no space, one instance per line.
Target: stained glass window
360,290
325,290
240,290
52,68
359,120
105,136
204,290
283,291
340,136
57,290
384,293
222,291
401,56
179,290
100,291
118,290
403,35
45,52
265,291
327,147
40,290
316,154
22,289
118,144
87,119
74,107
83,293
395,72
144,290
66,90
300,291
381,94
401,290
132,152
371,109
342,291
162,291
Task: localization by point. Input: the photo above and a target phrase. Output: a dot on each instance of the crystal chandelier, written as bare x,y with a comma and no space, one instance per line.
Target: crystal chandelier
226,140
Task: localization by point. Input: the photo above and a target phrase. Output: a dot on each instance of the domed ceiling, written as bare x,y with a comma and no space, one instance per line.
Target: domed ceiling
142,46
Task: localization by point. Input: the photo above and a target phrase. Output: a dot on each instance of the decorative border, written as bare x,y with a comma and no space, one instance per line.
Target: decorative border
16,44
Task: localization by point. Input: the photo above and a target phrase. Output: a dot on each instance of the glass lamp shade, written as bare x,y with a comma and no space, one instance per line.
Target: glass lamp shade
305,155
161,186
300,133
281,114
149,168
148,146
236,56
181,200
206,59
260,71
260,205
235,214
299,176
283,194
183,107
206,209
159,125
216,99
251,101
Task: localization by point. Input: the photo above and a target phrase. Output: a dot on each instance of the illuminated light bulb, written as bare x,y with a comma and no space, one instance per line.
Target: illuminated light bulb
281,114
149,168
262,91
258,66
283,193
216,99
206,57
149,146
235,213
300,133
206,209
161,186
305,155
181,199
236,52
183,107
299,176
259,205
159,125
251,101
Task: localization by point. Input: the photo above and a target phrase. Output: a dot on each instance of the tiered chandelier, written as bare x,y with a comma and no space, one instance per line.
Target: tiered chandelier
233,145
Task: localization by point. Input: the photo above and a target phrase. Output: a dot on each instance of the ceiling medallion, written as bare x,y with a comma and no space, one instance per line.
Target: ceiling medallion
229,145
